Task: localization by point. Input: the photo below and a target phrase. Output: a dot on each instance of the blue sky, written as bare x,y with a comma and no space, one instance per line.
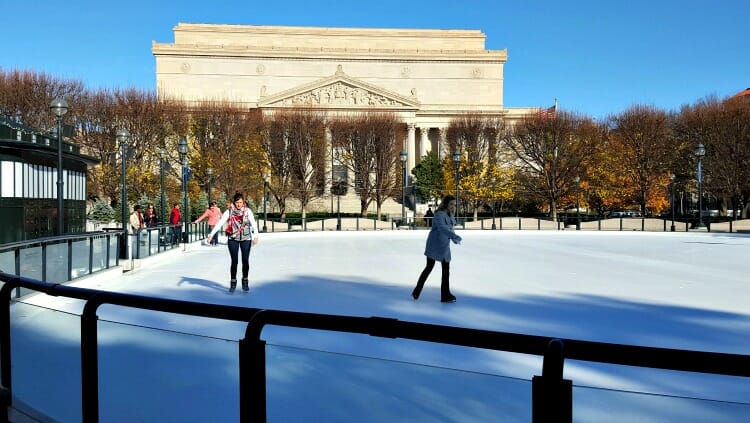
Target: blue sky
597,57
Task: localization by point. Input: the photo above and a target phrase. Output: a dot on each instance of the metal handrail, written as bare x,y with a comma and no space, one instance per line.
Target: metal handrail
551,399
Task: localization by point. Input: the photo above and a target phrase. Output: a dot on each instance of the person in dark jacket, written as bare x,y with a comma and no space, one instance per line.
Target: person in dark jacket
438,248
150,218
428,215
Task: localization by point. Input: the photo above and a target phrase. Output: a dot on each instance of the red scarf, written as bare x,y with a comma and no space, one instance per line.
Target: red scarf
236,222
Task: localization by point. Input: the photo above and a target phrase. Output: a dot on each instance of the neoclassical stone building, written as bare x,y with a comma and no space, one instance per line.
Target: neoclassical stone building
426,77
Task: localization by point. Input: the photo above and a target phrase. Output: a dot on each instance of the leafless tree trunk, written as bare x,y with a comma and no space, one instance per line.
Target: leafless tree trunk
296,151
368,145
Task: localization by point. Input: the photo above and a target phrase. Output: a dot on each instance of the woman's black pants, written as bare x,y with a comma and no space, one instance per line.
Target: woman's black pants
235,247
445,290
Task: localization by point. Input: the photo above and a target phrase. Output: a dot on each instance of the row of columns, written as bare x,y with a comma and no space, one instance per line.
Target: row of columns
425,145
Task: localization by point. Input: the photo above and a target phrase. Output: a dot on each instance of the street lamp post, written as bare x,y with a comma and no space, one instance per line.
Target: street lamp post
403,157
457,162
671,200
59,107
210,173
338,208
494,189
578,203
123,138
700,151
182,148
162,157
265,202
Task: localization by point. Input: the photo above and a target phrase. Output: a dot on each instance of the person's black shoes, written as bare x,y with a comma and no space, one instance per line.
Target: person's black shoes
245,286
448,298
232,285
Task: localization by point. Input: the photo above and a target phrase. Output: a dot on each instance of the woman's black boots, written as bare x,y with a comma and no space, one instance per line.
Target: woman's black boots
445,289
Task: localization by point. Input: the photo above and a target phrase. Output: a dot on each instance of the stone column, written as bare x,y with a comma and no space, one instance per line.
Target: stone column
442,143
410,148
424,142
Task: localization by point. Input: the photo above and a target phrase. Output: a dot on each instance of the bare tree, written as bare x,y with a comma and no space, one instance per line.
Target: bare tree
723,127
25,97
227,138
477,139
294,142
645,149
143,116
367,145
550,153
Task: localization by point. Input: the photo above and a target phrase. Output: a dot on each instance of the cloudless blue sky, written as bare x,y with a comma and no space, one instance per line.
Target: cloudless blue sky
597,57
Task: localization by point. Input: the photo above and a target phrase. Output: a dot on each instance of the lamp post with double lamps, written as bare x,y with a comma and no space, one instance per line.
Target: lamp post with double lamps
403,156
700,151
671,200
182,148
457,162
265,202
59,107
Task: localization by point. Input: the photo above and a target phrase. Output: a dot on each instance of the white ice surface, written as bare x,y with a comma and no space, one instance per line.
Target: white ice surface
674,290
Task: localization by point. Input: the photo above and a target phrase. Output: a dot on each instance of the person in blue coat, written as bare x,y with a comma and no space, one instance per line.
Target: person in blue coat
438,248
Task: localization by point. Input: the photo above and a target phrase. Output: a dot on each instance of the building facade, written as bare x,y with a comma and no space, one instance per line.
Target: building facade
425,77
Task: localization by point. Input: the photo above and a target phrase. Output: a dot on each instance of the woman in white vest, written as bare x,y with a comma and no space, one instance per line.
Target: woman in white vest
241,234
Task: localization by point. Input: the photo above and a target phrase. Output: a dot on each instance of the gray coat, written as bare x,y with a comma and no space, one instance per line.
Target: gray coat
438,241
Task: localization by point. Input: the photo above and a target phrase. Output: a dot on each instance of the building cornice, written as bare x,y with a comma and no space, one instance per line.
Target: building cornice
198,50
328,31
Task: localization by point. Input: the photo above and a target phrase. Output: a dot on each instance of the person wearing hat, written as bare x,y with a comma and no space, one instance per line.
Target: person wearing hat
136,219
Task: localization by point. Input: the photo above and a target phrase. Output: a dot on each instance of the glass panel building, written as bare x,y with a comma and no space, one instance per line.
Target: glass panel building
28,183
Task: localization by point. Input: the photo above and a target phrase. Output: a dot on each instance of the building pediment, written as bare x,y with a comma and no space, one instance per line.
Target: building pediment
339,91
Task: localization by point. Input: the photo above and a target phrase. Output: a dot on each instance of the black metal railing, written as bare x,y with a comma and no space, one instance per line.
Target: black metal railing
62,258
587,223
551,394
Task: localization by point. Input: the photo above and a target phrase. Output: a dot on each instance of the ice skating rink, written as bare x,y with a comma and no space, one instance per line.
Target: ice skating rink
675,290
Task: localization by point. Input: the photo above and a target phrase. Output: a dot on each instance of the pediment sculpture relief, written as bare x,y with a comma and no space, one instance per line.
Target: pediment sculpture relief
339,94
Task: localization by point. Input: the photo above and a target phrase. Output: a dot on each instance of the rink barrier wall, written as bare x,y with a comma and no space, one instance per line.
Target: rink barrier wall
551,393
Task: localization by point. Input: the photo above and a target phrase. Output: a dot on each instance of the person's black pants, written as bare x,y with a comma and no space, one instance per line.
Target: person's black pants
445,290
234,248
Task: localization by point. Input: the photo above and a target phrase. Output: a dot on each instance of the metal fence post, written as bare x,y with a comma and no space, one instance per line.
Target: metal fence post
551,395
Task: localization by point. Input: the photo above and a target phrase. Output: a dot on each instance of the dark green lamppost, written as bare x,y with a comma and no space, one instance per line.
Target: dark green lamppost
162,158
457,162
123,138
182,148
578,203
700,151
59,107
671,200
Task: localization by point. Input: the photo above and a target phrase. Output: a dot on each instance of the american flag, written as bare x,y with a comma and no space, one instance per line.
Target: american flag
548,112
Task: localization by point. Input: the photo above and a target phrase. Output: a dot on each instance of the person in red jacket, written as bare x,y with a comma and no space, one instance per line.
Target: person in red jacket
213,214
174,220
